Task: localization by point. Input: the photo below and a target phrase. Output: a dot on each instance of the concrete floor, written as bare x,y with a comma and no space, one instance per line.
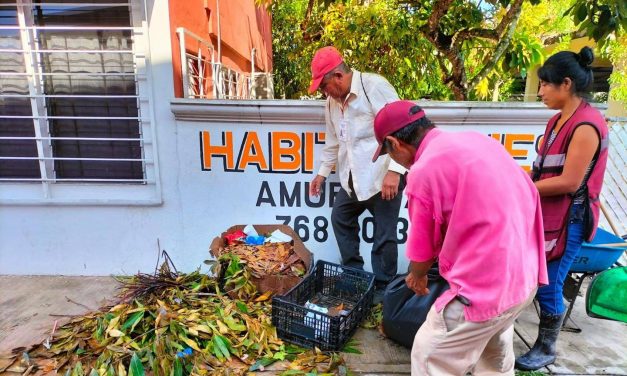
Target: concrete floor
30,305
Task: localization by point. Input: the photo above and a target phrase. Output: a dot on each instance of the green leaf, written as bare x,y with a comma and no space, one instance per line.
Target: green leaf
230,322
351,348
222,346
93,372
78,370
242,306
135,368
178,368
263,362
537,57
293,349
581,13
293,372
279,355
132,321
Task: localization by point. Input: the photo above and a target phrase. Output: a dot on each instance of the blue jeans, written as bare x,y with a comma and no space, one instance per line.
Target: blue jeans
550,296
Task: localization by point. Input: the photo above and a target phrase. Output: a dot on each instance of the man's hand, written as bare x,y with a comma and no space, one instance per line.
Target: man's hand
418,285
389,188
316,185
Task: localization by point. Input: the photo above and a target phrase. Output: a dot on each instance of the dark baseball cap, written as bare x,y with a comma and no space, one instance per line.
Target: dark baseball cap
391,118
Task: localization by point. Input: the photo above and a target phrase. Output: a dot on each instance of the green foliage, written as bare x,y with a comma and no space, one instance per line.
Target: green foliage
529,373
385,37
377,37
391,38
185,326
374,318
600,18
135,368
618,54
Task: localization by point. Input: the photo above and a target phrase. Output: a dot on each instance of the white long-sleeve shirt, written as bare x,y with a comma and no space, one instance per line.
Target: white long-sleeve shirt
350,142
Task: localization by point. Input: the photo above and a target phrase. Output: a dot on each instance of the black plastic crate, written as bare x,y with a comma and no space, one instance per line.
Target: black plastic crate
332,284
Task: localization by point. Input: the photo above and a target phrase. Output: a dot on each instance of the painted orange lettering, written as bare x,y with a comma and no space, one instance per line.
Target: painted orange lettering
285,145
512,139
225,151
308,153
252,153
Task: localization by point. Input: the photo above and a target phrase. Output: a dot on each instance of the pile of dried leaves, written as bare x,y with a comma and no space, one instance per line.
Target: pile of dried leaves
374,320
268,259
175,324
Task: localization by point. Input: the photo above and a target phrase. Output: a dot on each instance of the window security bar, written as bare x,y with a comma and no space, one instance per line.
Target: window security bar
72,5
146,161
232,84
79,180
194,72
72,96
75,74
79,139
73,117
46,135
75,28
16,50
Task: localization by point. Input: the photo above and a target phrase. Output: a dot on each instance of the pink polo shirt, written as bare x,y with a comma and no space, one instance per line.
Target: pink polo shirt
472,207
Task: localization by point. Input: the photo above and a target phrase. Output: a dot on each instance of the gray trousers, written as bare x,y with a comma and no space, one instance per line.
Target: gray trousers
344,218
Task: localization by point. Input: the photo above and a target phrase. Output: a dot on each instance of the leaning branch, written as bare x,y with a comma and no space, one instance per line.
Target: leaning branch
513,15
466,34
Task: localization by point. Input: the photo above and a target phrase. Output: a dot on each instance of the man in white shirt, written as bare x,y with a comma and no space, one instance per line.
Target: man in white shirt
353,100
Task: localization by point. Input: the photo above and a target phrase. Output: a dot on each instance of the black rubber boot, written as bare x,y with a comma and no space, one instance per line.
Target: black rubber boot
543,351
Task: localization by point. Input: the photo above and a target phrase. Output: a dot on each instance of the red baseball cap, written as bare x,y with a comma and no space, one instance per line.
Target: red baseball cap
324,61
391,118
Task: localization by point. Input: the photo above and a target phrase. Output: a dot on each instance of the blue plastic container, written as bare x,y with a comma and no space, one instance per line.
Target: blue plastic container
595,258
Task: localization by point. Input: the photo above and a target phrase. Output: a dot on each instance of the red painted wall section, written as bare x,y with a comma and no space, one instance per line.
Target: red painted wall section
243,26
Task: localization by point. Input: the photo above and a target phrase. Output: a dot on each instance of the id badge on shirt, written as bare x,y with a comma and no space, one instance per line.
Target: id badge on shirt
343,129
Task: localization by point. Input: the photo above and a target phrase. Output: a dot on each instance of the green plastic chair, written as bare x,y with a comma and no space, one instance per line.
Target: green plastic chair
606,297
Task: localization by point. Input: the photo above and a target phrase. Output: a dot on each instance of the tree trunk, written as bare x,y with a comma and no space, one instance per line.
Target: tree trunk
303,25
450,46
513,15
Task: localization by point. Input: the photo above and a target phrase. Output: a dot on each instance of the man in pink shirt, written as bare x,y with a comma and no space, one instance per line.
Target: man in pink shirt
476,212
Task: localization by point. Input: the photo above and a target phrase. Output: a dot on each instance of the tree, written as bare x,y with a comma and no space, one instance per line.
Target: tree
452,26
599,19
441,49
397,40
377,37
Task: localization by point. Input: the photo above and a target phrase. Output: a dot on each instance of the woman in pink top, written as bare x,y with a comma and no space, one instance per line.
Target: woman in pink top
476,211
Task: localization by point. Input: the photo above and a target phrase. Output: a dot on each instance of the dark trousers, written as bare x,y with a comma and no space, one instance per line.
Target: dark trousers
344,218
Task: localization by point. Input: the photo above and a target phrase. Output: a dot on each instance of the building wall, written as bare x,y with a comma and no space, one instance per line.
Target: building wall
243,26
105,235
211,180
198,197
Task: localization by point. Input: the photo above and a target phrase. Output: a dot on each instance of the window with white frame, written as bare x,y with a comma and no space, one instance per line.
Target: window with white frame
73,107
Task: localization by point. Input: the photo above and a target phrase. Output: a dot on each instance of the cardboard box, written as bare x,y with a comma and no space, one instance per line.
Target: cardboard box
278,284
